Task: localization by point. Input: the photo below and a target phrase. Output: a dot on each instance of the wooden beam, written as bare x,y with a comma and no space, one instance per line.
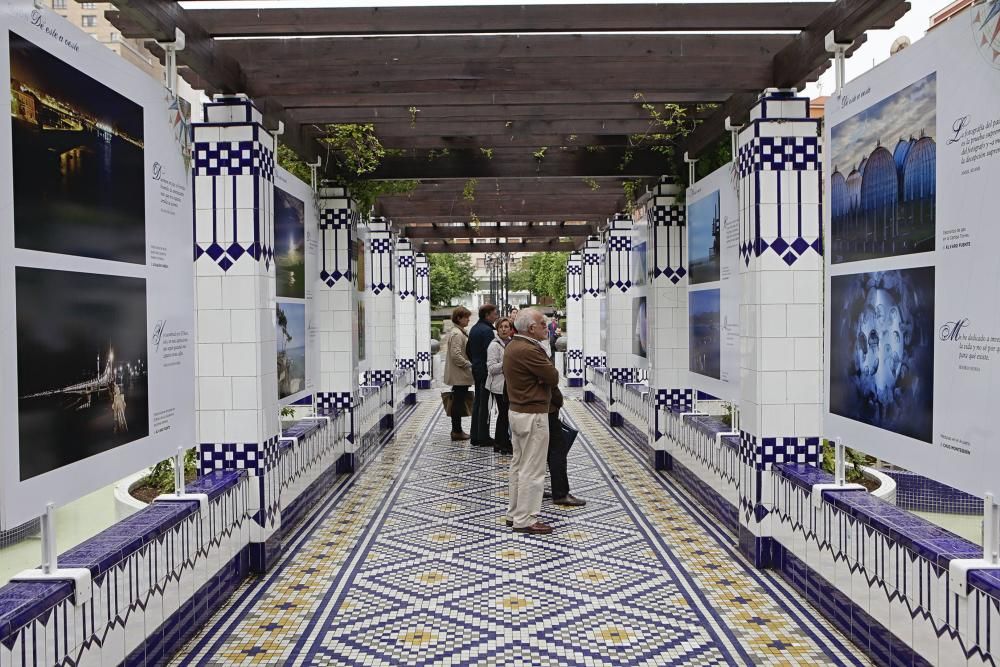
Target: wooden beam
216,71
414,115
338,52
516,19
494,131
493,232
704,77
508,246
560,207
503,142
593,217
509,187
616,95
804,58
554,163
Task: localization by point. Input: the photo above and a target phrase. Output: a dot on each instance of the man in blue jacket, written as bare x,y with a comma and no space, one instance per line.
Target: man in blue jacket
480,337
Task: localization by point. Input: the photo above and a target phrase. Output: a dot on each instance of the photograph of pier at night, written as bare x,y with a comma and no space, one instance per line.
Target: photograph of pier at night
77,161
81,366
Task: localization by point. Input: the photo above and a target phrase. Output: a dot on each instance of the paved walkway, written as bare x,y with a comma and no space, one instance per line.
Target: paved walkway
409,563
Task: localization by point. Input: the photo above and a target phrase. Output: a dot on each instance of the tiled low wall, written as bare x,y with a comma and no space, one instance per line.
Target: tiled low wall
915,492
163,571
876,571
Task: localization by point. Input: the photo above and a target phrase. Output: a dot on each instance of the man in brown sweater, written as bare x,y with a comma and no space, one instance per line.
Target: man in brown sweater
530,378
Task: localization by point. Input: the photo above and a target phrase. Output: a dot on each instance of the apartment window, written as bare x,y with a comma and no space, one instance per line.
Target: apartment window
113,37
58,4
88,21
88,5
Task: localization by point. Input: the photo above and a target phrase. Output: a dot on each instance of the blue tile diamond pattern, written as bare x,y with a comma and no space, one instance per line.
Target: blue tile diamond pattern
413,566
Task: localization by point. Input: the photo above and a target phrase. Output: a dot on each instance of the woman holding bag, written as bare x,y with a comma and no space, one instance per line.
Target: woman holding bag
495,384
458,369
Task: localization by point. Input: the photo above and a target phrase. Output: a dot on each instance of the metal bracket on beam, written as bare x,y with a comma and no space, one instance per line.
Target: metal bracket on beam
690,163
734,132
171,49
313,167
839,51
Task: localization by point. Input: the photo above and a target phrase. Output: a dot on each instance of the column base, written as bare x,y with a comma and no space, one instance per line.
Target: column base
387,422
757,550
411,399
423,384
589,397
264,555
661,460
574,382
616,419
345,464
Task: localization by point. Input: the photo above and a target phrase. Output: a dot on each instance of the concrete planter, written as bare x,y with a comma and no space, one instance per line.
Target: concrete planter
125,504
887,485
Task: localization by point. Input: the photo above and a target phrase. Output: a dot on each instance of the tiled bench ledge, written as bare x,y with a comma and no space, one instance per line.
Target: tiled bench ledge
146,571
161,572
881,573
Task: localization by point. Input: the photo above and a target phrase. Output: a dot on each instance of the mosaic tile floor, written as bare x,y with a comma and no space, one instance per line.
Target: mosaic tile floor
410,564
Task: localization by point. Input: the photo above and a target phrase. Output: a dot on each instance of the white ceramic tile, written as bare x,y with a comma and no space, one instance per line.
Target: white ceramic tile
805,320
214,393
213,326
240,359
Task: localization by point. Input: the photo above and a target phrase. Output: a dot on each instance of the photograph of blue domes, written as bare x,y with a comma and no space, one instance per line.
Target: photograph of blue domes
704,239
289,245
882,350
884,183
704,333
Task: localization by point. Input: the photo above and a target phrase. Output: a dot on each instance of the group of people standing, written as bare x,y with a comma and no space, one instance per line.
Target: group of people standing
510,360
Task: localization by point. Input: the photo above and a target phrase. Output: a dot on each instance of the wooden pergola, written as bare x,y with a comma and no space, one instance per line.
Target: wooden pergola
543,105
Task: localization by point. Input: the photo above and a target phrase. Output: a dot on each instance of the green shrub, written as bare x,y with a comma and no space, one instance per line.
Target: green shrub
436,330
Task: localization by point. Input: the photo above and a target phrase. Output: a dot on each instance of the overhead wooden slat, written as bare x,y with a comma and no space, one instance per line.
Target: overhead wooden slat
508,187
495,130
492,232
509,246
804,58
519,76
614,94
593,217
501,209
473,164
517,19
336,52
487,112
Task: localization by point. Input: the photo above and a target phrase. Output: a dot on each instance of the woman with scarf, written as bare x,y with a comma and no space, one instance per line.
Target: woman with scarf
495,383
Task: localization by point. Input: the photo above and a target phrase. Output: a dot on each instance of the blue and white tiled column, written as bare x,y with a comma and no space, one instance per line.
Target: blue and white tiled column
667,314
336,305
618,283
781,310
593,292
574,320
406,314
235,296
422,274
380,303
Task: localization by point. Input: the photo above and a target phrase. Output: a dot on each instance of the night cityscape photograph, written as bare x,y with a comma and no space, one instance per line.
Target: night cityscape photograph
78,161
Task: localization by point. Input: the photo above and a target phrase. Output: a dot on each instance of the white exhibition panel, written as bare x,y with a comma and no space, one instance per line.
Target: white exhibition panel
296,248
713,229
639,345
912,341
96,270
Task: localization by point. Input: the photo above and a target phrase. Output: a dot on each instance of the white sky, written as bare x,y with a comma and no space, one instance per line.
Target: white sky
874,51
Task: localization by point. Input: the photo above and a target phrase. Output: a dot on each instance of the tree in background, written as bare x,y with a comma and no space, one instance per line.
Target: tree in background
452,275
543,274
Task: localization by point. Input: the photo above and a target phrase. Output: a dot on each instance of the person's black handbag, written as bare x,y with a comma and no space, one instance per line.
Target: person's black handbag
568,433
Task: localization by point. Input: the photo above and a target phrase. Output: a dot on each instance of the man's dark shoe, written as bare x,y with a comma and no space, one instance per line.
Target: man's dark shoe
510,523
569,501
459,435
503,449
537,528
546,495
482,444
